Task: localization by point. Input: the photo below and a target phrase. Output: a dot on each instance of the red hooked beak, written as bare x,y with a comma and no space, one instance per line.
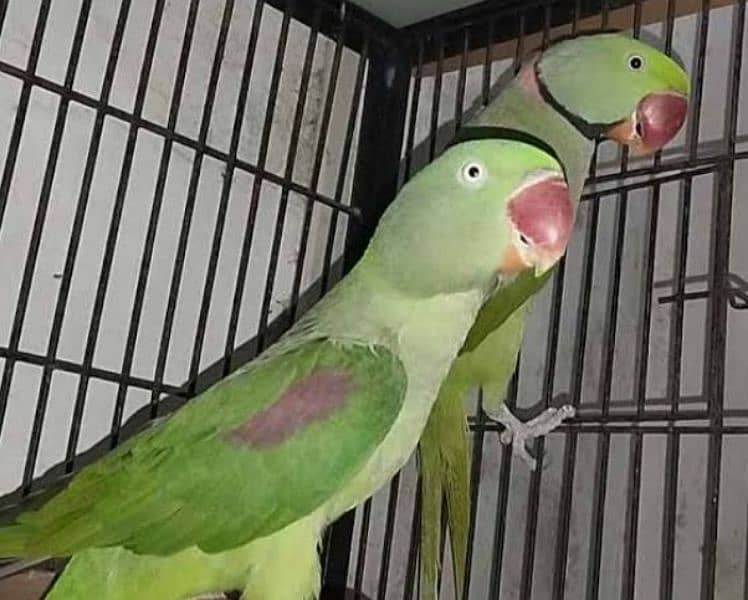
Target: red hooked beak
655,122
541,212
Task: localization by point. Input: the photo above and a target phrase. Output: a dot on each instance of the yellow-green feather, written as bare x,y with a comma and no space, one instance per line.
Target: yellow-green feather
445,466
444,450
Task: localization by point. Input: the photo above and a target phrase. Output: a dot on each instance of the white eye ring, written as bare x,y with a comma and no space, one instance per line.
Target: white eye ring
473,173
636,62
523,240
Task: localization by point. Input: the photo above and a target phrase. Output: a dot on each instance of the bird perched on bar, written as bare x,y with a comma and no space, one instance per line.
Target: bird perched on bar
234,490
593,85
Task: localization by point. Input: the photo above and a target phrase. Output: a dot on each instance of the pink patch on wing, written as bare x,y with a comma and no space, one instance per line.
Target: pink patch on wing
306,402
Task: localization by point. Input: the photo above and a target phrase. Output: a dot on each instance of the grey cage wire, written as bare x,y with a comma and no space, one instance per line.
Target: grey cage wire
181,180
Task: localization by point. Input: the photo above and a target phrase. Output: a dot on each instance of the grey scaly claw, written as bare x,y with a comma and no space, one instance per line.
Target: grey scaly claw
518,434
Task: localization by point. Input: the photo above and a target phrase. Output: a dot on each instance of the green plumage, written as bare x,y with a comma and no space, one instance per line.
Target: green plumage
235,489
141,496
590,77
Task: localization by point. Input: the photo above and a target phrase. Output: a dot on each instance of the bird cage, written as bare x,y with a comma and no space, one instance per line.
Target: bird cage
180,181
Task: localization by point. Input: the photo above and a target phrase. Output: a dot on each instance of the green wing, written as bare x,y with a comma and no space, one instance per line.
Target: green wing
250,455
504,302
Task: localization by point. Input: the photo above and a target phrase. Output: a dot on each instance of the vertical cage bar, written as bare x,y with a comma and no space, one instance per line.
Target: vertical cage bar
353,117
502,500
317,167
578,353
608,356
254,200
488,63
409,591
436,97
192,189
389,531
153,220
675,344
533,505
462,77
476,463
77,227
288,175
414,105
675,350
502,505
117,210
717,309
14,143
3,13
40,219
642,357
480,420
362,547
223,204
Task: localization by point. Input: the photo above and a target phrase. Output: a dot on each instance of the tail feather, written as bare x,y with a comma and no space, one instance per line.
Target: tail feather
13,542
444,454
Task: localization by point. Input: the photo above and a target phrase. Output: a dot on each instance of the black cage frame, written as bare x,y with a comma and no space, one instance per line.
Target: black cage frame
392,64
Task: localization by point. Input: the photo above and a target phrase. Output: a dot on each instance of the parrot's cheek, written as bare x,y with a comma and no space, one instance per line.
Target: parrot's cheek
655,122
512,262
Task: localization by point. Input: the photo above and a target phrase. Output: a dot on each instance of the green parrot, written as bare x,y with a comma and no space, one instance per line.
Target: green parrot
233,491
581,88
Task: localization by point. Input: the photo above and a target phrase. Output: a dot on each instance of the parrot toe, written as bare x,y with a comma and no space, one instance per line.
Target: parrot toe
518,434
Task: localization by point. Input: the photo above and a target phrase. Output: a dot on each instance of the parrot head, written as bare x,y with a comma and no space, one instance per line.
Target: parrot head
618,86
486,208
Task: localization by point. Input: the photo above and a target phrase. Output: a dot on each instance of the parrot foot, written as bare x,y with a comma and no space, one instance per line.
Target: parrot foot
518,433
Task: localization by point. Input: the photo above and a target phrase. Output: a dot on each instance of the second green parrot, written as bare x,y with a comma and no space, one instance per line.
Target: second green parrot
579,89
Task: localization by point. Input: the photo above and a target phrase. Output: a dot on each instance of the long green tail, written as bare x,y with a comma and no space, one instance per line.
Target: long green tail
445,472
488,358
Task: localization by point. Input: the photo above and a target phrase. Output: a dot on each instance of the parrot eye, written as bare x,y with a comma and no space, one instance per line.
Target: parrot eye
473,173
523,240
636,62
